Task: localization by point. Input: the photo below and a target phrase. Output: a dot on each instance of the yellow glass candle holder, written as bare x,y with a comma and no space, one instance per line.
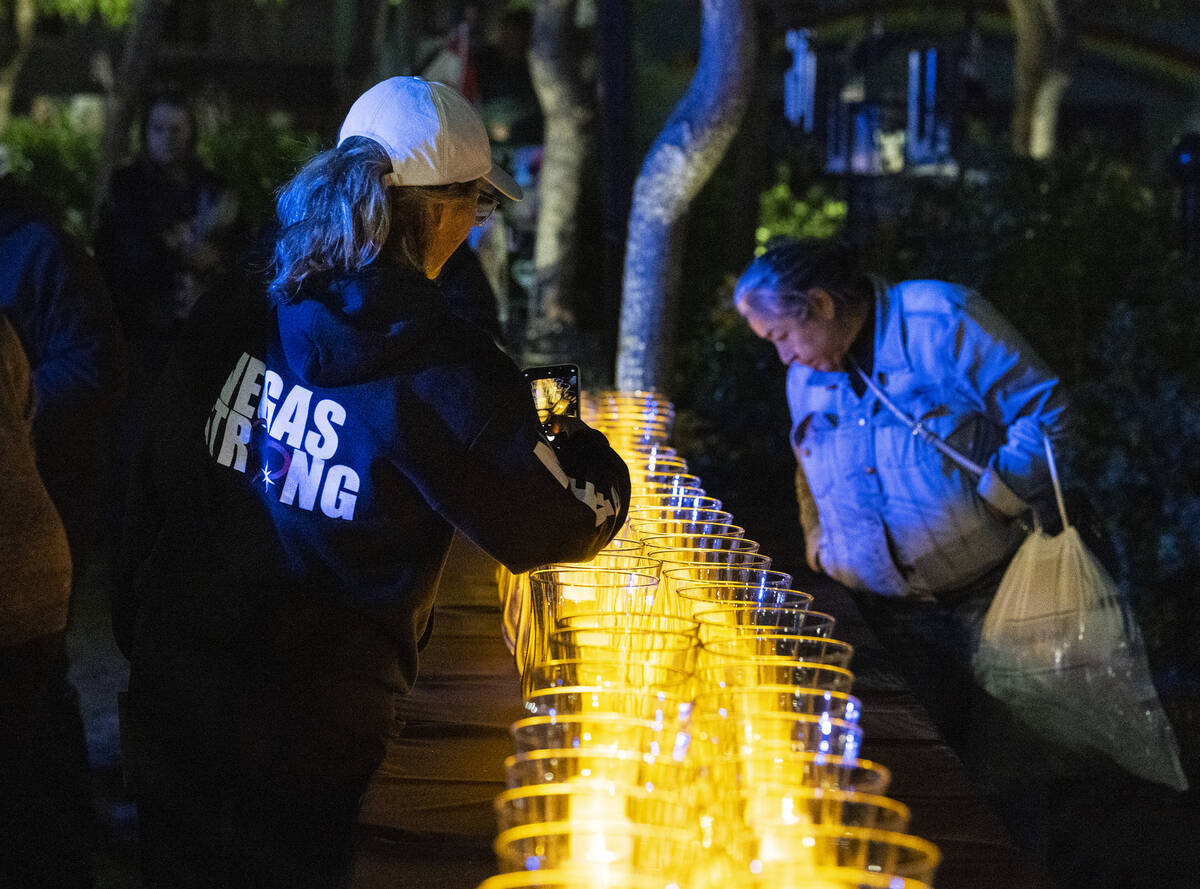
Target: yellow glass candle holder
778,699
815,649
624,700
770,805
609,672
659,545
732,619
556,766
716,736
617,560
639,620
668,500
588,799
823,847
597,843
602,732
721,871
676,650
586,878
748,770
674,517
681,530
559,591
743,672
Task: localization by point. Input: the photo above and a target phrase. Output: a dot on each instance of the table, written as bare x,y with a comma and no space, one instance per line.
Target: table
427,814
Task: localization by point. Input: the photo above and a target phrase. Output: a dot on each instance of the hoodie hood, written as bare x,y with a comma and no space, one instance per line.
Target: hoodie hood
21,203
354,328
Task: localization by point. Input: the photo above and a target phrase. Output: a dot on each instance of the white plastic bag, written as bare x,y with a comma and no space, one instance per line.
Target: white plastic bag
1064,652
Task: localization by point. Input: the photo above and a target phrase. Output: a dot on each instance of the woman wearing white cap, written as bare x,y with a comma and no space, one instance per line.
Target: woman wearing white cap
307,462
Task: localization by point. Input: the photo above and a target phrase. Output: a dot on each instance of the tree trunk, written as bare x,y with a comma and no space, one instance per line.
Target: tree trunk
1043,128
682,158
1045,55
141,38
557,66
22,29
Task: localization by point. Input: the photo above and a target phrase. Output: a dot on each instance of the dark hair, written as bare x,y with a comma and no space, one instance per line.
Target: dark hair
337,215
175,98
778,282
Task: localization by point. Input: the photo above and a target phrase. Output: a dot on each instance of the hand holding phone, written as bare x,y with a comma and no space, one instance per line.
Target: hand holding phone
556,396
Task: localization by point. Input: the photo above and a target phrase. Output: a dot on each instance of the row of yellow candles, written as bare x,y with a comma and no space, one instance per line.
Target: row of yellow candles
674,741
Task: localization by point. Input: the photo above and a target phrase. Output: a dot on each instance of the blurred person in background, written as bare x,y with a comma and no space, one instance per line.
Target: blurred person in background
508,103
58,304
61,371
45,804
57,362
317,439
167,229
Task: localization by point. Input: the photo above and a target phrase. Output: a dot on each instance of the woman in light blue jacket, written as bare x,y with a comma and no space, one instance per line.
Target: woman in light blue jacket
882,509
921,540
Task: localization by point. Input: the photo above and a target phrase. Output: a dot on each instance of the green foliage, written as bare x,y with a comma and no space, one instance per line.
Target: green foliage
57,156
732,422
256,157
815,215
60,157
113,12
728,385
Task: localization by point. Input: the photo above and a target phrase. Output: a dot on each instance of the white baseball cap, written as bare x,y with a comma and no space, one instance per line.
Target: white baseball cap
431,133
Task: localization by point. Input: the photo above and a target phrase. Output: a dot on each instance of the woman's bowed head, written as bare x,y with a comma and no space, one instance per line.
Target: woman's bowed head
808,299
411,174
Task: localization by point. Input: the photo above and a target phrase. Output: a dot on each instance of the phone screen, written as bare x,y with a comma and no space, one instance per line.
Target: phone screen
555,391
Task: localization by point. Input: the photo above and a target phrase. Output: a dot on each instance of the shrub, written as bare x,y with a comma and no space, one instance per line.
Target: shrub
733,418
817,214
59,157
256,157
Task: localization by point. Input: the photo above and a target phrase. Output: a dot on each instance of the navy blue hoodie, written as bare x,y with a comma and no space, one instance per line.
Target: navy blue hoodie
53,295
306,465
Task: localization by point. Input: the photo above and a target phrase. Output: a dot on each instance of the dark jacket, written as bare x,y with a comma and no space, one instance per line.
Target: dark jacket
149,276
56,301
306,466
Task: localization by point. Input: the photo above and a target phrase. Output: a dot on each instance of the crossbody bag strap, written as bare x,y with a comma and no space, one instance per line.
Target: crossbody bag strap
918,429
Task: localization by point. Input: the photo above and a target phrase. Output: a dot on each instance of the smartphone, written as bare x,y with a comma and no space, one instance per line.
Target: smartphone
555,392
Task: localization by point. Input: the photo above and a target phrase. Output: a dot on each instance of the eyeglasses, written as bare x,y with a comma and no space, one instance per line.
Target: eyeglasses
485,206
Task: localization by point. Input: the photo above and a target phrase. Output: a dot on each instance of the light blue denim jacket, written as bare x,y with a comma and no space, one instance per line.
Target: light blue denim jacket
883,510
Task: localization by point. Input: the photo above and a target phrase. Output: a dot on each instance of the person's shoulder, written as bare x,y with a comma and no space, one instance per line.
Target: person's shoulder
38,237
34,231
26,212
930,312
928,296
953,303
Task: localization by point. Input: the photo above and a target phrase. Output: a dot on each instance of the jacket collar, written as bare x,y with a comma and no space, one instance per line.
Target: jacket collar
891,330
